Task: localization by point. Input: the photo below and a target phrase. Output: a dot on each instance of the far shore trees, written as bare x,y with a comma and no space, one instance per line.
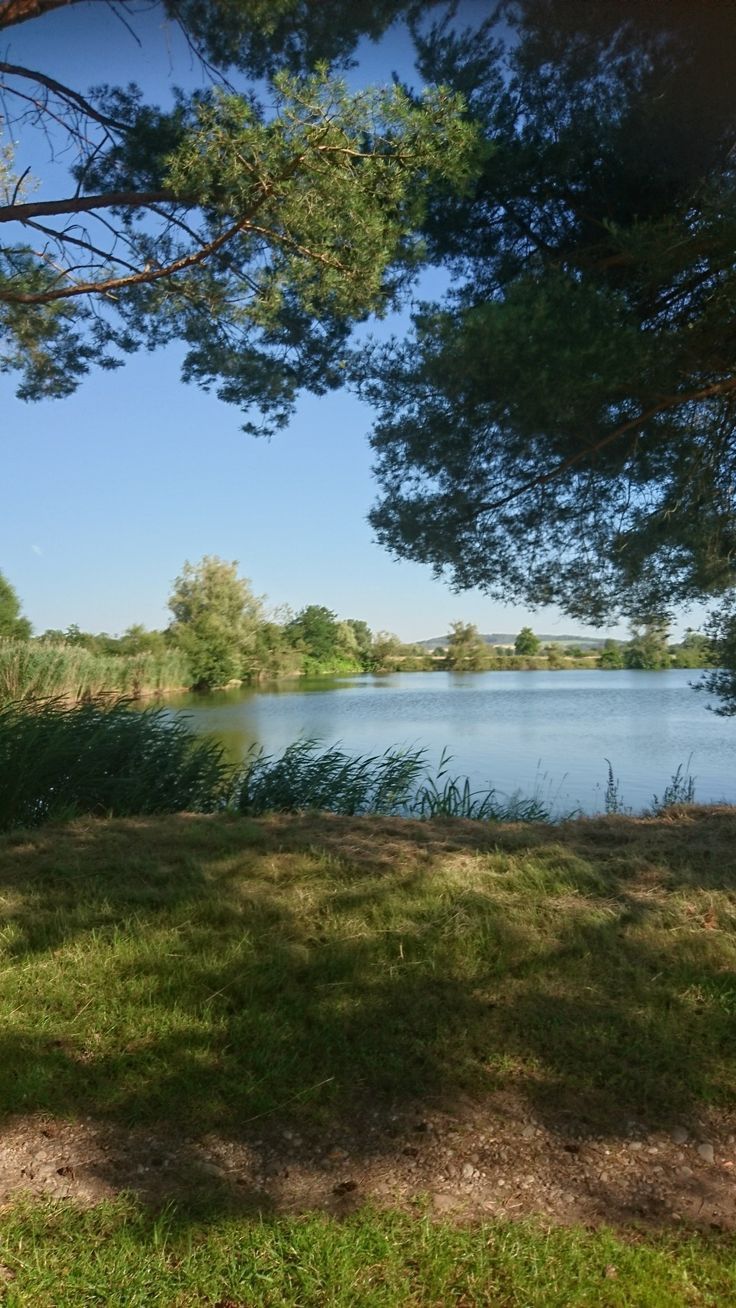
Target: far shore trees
466,649
526,642
13,626
216,620
648,648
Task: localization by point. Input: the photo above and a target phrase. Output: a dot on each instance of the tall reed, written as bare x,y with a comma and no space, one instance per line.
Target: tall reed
30,670
58,761
308,777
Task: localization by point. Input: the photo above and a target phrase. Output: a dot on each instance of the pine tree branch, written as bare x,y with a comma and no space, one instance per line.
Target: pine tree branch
17,213
670,402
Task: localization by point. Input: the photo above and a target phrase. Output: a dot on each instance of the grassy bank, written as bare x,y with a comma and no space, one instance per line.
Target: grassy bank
213,967
319,978
32,670
121,1255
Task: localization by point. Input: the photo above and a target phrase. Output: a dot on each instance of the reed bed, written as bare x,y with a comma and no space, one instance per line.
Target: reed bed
61,760
32,671
398,782
58,762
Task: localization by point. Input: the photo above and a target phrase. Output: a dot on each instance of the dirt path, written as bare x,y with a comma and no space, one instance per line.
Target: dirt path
489,1160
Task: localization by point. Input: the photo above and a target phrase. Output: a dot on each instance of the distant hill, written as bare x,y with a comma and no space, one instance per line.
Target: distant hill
508,638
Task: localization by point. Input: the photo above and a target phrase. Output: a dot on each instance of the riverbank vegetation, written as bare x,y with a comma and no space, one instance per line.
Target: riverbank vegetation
59,761
222,632
261,998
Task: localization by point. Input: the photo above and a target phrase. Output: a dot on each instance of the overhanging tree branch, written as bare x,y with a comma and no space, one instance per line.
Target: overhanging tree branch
20,11
671,402
65,93
12,213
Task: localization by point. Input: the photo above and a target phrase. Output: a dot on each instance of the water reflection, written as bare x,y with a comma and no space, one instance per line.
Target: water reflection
512,730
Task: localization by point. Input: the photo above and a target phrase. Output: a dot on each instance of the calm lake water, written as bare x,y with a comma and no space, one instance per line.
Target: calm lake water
548,732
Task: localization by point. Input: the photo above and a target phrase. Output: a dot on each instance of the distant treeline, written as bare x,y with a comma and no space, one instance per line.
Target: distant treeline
222,633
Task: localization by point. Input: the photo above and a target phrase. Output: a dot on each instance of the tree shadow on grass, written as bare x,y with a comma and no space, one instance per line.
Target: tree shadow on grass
319,975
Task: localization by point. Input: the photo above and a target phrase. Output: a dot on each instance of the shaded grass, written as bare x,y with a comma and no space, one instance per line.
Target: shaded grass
211,970
118,1254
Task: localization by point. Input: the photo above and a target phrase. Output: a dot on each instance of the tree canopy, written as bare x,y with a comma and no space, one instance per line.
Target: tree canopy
216,620
13,626
255,225
562,428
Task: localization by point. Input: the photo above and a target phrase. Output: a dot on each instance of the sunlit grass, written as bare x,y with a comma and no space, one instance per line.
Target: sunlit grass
56,1257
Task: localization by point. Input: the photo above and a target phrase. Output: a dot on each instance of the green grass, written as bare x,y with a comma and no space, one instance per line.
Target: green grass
206,971
120,1255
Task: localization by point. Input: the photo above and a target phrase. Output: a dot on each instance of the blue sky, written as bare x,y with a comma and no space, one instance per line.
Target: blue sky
106,493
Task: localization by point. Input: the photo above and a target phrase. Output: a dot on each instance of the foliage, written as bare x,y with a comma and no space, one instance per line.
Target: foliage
466,650
721,635
307,777
562,428
612,798
56,762
648,648
611,656
216,618
694,651
12,625
526,642
315,633
255,223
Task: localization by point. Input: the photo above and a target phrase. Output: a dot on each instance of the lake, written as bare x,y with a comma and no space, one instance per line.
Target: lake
544,732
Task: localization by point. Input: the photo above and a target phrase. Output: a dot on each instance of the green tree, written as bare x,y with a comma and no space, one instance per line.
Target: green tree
466,649
526,642
137,640
315,632
648,648
387,652
563,427
611,656
255,222
216,620
13,626
694,650
363,641
273,653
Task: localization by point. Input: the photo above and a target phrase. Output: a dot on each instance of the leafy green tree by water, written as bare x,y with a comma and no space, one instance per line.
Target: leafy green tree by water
526,642
466,649
314,633
216,619
363,641
694,651
611,656
648,648
13,626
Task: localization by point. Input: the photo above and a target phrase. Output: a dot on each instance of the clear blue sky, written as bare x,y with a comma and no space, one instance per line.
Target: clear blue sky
107,493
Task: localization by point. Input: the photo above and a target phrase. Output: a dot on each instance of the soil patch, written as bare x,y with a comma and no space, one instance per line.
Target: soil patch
474,1161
